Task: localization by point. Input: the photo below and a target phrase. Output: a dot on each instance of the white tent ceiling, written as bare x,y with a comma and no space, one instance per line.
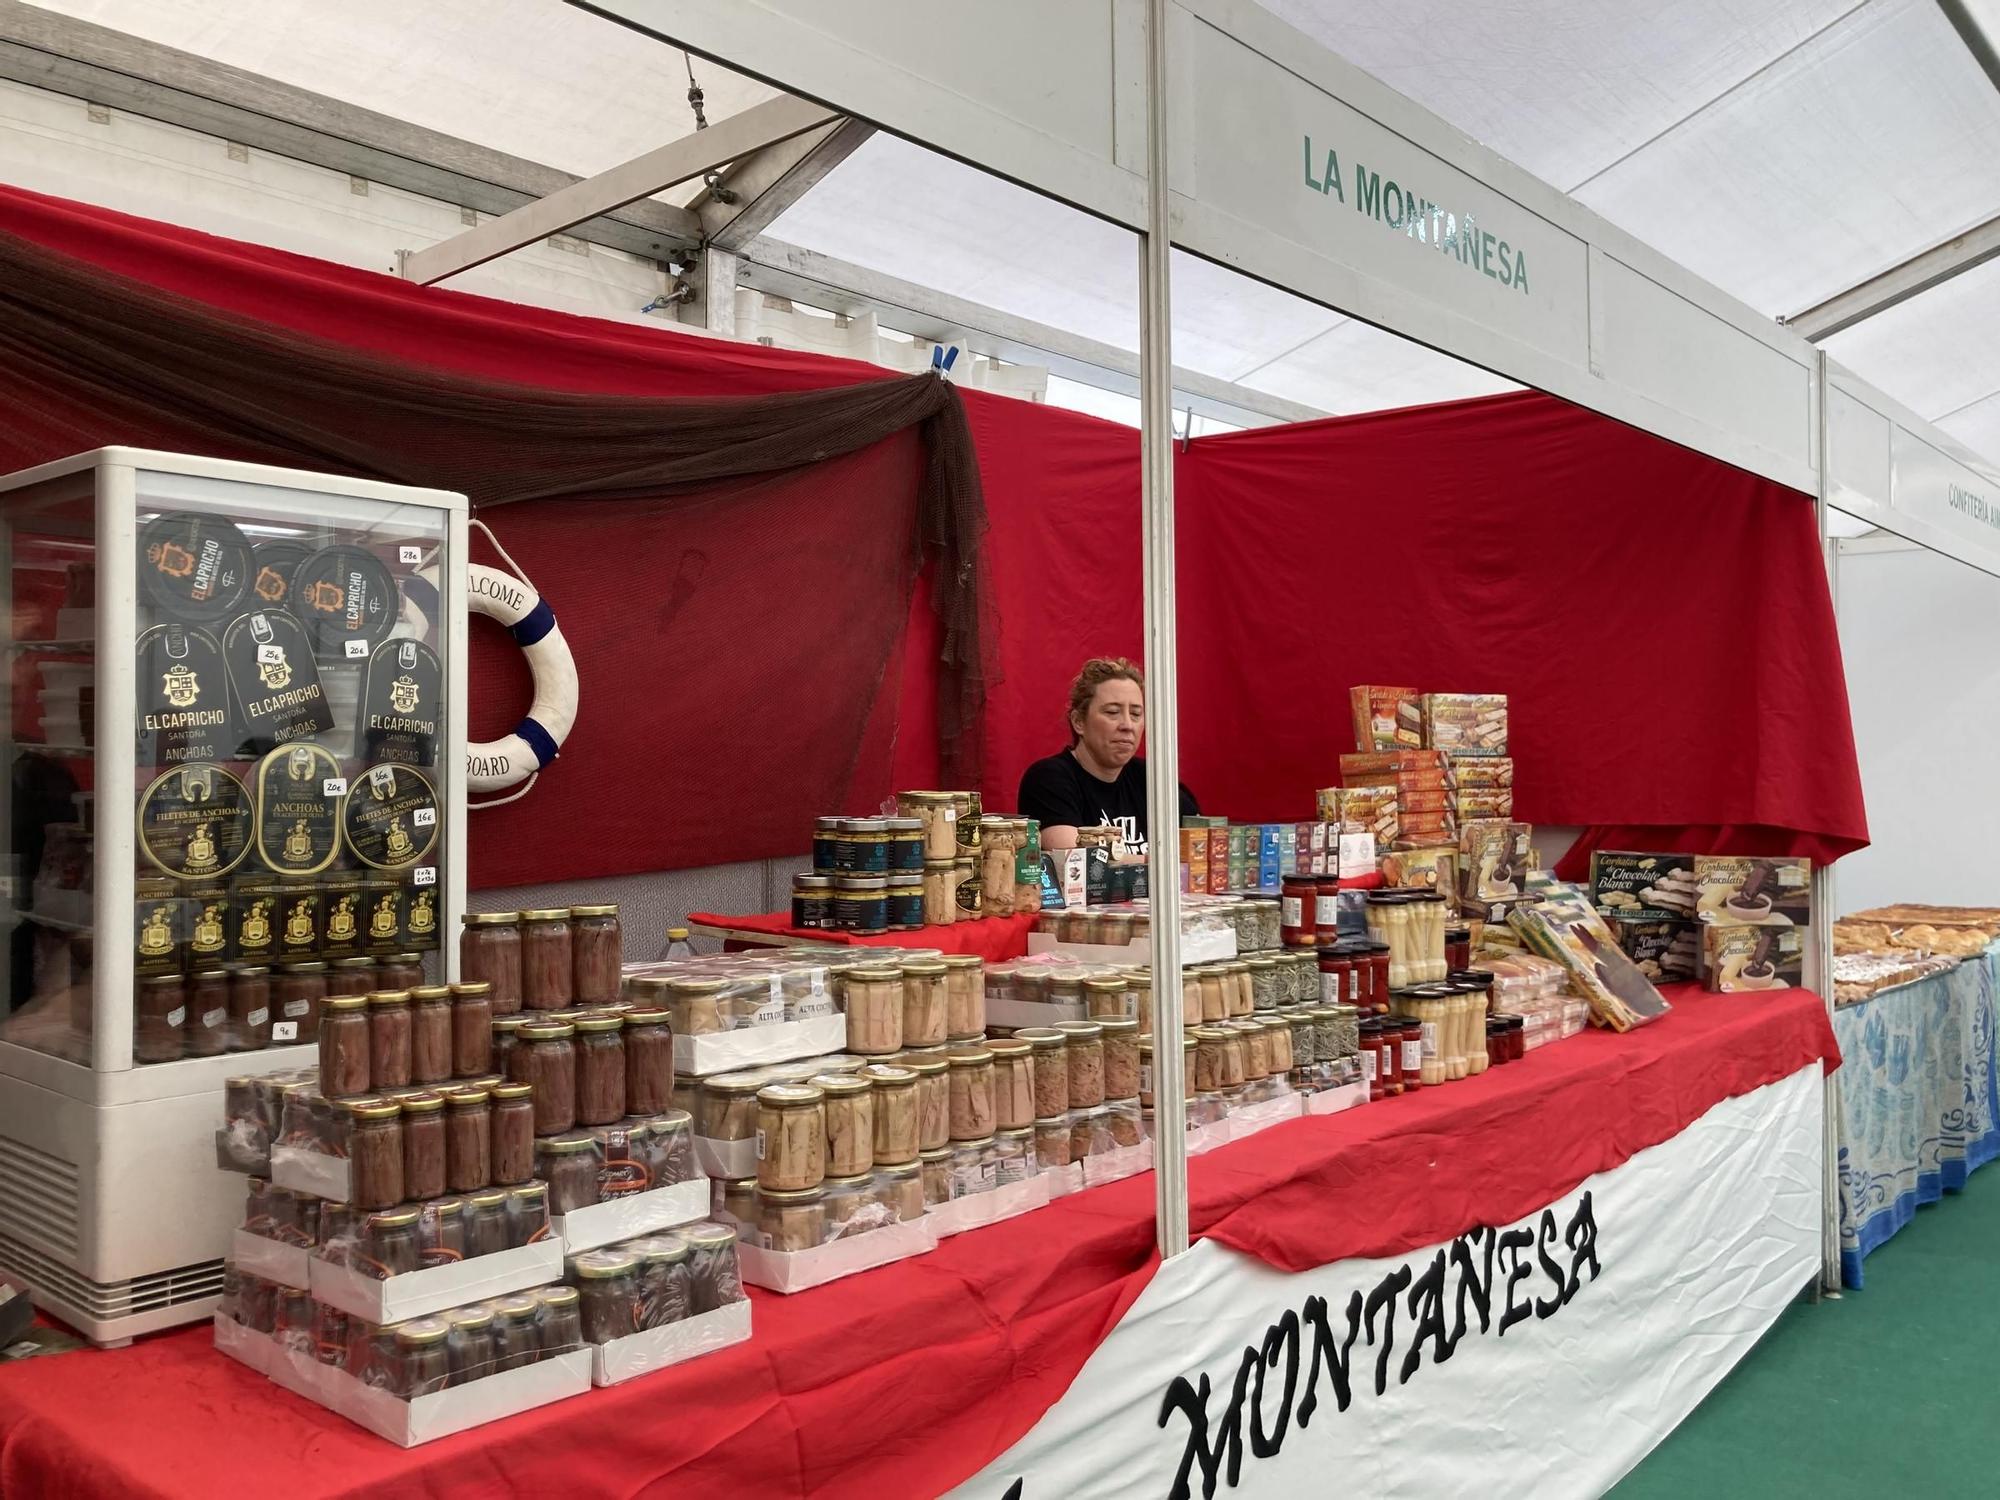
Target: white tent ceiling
1785,149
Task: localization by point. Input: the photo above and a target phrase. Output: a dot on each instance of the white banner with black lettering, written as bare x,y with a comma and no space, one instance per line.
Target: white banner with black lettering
1543,1359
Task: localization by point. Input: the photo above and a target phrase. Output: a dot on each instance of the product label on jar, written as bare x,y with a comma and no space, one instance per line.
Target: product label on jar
1413,1056
270,664
811,1007
1368,1064
760,1144
177,1016
297,1008
212,1019
966,1181
298,824
1329,989
195,822
1011,1169
768,1012
1326,910
400,700
1294,907
379,817
1145,1078
1354,984
1430,1042
257,1017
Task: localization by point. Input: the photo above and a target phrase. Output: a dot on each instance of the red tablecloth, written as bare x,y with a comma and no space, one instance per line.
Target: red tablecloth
903,1381
992,938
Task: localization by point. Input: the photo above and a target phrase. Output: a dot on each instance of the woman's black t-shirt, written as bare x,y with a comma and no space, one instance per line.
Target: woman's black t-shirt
1058,790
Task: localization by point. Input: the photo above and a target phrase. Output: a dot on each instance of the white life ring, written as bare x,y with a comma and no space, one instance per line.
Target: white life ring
537,739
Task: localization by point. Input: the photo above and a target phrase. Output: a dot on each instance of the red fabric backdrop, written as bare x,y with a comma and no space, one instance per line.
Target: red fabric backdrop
1659,620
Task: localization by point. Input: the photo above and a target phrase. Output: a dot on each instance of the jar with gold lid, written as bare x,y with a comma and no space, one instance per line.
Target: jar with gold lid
791,1136
926,1003
850,1122
547,959
969,1078
489,952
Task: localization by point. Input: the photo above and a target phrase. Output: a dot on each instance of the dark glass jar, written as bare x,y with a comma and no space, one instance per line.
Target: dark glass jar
423,1147
561,1319
208,1013
470,1345
600,1070
568,1164
547,963
159,1019
441,1232
344,1047
649,1062
545,1058
812,902
351,976
861,903
1458,947
517,1337
513,1151
468,1140
489,952
471,1029
399,971
422,1357
608,1282
391,1243
331,1332
506,1035
300,989
375,1156
486,1224
666,1290
597,954
250,1008
389,1039
430,1034
528,1215
714,1280
826,844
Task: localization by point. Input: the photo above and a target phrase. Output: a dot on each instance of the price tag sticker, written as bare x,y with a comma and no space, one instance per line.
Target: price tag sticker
270,656
333,786
424,817
409,556
424,875
355,649
285,1031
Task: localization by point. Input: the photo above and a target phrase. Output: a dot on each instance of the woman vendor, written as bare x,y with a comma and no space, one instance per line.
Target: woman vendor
1099,781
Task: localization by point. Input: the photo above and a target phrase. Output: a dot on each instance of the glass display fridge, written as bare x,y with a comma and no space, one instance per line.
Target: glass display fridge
235,728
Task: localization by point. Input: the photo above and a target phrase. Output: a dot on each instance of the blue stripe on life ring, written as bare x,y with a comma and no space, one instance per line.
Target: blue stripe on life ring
535,624
422,593
539,740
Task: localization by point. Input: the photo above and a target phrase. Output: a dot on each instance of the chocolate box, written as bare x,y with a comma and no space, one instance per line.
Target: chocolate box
1404,767
1386,717
1495,857
1665,950
1739,959
1480,772
1650,887
1466,723
1477,805
1753,890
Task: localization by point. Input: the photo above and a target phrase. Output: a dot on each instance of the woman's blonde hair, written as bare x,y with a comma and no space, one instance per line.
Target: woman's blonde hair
1097,671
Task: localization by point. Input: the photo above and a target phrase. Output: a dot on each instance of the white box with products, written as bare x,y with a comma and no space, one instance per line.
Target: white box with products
416,1294
631,1215
288,1265
798,1270
656,1348
424,1419
316,1172
977,1210
709,1052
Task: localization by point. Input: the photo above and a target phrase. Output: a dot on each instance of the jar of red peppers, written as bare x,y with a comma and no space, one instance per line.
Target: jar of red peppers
1410,1053
1458,947
1375,983
597,954
649,1062
547,961
1326,910
1296,922
489,952
430,1034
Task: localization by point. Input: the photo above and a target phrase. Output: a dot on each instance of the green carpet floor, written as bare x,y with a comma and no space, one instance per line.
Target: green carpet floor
1890,1393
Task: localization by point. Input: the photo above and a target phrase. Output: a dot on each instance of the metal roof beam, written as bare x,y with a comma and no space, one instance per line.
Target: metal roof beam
784,270
663,167
765,184
1919,273
44,50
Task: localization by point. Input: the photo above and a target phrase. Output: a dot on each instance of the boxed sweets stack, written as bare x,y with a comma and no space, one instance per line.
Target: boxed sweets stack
1755,914
1648,899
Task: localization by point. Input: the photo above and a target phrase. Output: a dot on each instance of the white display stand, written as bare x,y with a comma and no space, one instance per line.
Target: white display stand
1333,1101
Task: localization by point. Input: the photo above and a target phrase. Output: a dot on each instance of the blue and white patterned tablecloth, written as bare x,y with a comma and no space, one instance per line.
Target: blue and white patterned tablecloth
1919,1103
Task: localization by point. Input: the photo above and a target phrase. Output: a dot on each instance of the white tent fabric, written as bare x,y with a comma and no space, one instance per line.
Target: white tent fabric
1785,149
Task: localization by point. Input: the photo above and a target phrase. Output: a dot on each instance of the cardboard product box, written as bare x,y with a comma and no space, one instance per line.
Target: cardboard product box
1427,867
1367,809
1479,805
1269,841
1665,950
1649,887
1419,767
1495,858
1426,800
1739,959
1567,929
1466,723
1480,772
1386,717
1753,891
1218,874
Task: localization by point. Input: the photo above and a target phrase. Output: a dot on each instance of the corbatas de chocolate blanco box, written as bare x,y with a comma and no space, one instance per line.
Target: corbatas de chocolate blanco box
1665,950
1386,717
1753,890
1651,887
1466,723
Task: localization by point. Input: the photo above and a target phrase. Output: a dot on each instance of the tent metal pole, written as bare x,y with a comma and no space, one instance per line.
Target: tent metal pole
1163,751
1823,889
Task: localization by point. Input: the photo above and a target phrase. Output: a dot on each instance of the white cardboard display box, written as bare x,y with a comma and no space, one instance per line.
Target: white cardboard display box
1251,1118
798,1270
416,1294
288,1265
1063,1181
244,1345
727,1160
633,1214
312,1172
1110,1166
657,1348
758,1046
1333,1101
506,1393
981,1209
1207,946
1020,1013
